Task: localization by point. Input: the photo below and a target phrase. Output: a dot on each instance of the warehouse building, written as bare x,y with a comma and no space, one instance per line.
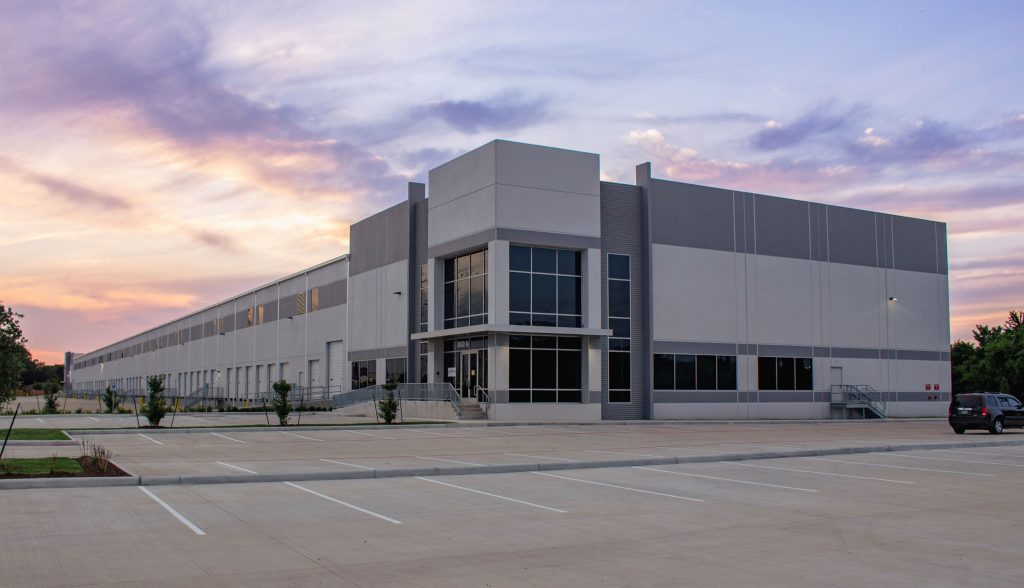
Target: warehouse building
532,286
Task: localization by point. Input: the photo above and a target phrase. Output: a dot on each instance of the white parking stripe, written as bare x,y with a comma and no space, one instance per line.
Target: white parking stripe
228,438
451,460
150,438
985,453
751,465
429,432
299,436
173,512
367,434
345,463
540,506
885,465
995,463
622,453
619,487
540,457
94,419
725,479
343,503
40,420
235,467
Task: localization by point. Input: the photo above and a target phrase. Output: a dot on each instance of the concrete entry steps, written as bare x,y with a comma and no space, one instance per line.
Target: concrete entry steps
482,469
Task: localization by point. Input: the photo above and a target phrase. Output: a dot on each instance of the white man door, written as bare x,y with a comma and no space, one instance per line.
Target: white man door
336,365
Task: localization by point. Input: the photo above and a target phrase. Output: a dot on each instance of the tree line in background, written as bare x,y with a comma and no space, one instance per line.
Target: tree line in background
994,361
18,369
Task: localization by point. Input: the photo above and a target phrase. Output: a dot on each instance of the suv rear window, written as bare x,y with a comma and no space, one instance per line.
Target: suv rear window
969,400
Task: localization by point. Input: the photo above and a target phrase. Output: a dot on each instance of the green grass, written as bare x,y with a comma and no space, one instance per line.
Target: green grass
36,435
39,465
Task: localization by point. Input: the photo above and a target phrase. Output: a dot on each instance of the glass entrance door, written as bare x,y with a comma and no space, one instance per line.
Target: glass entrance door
469,374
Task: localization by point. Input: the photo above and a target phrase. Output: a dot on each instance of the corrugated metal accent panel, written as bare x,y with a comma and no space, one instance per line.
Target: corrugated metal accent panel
419,257
622,232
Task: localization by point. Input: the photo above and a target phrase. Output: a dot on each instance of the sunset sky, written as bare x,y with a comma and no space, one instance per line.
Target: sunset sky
159,156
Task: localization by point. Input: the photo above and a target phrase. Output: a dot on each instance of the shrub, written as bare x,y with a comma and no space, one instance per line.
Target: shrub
51,394
387,407
155,406
110,399
280,401
99,454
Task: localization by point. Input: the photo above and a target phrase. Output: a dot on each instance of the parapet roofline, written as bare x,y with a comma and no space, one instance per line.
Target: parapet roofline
216,304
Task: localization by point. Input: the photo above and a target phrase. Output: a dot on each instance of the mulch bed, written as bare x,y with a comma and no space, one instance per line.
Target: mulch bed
89,470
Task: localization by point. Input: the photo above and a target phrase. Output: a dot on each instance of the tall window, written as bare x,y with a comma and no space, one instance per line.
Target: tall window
423,361
544,369
465,290
619,323
395,370
364,374
785,373
424,298
544,287
694,372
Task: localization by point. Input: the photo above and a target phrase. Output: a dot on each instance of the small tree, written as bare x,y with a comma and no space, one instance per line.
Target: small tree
13,355
280,401
155,406
387,407
52,392
110,400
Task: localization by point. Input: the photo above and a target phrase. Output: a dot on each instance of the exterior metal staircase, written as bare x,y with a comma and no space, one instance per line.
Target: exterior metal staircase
857,401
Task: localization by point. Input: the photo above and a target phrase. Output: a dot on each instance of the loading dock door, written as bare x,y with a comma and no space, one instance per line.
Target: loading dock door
336,365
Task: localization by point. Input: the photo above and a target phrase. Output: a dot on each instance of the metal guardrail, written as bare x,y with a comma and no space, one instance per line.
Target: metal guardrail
443,392
860,396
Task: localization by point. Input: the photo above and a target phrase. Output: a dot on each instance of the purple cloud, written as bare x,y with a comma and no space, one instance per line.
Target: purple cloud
151,64
70,191
502,113
820,120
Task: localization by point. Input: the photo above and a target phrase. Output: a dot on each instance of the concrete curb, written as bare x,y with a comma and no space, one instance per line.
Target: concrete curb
24,483
475,425
63,442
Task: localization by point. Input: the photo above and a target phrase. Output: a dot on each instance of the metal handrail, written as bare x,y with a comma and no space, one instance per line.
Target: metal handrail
860,395
442,391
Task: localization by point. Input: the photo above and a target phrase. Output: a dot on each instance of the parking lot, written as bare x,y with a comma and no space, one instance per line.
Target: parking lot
924,517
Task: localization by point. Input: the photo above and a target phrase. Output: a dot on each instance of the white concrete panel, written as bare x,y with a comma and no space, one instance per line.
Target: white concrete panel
857,306
861,372
591,288
694,293
704,410
380,320
935,408
919,322
363,294
547,168
784,308
463,175
556,411
548,211
915,376
497,282
466,215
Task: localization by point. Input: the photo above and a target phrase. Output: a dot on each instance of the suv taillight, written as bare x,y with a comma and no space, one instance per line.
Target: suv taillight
984,411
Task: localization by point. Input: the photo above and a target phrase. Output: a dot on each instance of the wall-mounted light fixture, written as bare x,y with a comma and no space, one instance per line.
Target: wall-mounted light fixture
893,299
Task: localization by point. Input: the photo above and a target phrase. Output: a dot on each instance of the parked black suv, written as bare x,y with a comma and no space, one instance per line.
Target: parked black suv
985,410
